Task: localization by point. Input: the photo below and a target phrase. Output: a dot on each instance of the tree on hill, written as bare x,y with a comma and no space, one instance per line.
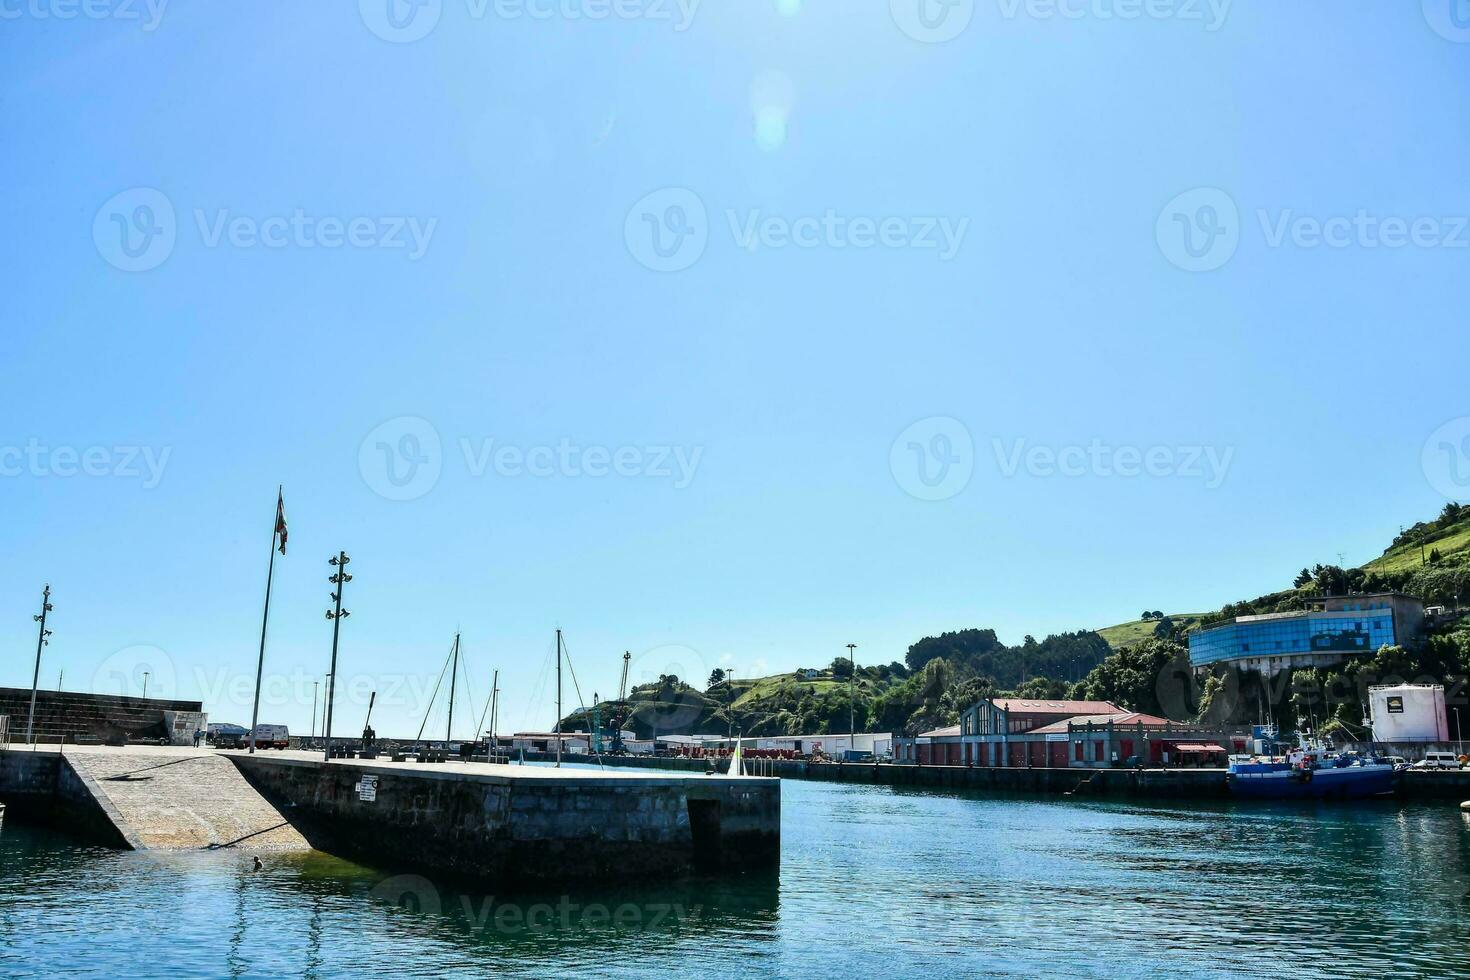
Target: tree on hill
1041,689
1304,577
716,676
962,645
1134,677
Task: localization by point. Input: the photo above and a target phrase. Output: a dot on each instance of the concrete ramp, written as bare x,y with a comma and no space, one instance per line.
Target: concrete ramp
181,799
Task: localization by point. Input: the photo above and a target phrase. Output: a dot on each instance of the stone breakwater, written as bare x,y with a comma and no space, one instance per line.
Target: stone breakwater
512,823
506,823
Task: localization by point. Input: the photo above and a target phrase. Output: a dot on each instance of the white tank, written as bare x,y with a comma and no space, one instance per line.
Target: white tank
1408,713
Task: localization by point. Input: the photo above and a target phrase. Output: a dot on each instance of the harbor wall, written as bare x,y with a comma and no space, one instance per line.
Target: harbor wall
1148,783
28,780
44,787
1167,783
1435,784
525,828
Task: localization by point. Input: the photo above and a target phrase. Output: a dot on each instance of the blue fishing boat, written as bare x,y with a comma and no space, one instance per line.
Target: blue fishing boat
1310,772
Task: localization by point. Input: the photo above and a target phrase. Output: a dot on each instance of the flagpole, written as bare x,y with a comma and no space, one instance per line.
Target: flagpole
270,575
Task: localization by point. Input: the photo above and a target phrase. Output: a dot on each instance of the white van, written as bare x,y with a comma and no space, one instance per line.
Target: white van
1438,760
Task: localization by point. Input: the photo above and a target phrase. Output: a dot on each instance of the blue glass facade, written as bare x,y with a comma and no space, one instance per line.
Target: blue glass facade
1355,631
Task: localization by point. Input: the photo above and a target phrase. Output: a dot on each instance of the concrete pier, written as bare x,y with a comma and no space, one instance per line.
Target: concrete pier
524,823
500,822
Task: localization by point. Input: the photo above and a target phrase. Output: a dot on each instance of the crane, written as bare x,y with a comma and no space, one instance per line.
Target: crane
370,737
620,713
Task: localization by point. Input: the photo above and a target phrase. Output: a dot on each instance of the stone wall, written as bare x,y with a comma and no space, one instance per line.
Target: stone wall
1174,783
43,787
71,716
28,779
525,828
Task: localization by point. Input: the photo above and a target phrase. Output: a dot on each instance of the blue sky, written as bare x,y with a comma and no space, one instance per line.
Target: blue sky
726,335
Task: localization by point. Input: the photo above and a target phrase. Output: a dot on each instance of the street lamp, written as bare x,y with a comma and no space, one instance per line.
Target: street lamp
42,641
336,614
852,698
145,685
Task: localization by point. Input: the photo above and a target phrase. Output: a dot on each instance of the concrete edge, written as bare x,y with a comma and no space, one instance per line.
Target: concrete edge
104,803
437,772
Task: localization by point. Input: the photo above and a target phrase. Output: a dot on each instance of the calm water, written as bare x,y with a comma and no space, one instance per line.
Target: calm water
874,883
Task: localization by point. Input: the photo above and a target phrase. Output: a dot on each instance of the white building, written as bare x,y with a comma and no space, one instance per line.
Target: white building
1408,713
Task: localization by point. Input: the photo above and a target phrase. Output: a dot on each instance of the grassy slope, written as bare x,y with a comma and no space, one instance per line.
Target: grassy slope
760,688
1406,558
1127,634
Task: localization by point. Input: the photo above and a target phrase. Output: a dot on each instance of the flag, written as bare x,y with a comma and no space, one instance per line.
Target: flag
281,520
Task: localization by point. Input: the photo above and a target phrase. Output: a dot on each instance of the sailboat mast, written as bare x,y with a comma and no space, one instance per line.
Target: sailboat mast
494,697
454,676
558,699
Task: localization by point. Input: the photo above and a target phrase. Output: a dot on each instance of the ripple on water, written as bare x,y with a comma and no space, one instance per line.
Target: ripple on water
874,881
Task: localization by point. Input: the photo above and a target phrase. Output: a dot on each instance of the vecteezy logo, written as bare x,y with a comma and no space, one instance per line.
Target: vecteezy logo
1446,459
133,670
400,21
933,459
666,231
669,669
1449,18
413,892
1199,230
401,459
932,21
135,230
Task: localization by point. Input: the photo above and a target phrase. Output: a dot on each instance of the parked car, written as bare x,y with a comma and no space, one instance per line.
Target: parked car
1397,761
1438,760
226,736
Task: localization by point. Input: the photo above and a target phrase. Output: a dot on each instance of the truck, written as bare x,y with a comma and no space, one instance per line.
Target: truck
270,737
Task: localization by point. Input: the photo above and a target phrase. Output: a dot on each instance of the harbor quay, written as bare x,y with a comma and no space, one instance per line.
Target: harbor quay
1175,784
524,823
497,822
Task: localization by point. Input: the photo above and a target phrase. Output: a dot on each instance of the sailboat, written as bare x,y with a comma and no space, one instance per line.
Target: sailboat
736,769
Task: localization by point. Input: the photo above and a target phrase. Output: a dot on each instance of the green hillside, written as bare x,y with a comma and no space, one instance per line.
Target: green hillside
1452,542
1127,634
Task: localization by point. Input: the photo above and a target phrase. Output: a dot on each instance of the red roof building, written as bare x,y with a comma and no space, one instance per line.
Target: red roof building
1025,732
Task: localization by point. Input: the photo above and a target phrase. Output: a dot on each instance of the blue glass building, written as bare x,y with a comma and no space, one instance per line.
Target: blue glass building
1331,630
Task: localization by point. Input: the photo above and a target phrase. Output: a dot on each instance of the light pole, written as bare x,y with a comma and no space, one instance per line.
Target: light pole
314,686
145,685
336,614
41,641
1459,734
852,698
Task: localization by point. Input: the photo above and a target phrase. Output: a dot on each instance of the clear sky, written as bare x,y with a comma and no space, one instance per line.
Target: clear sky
725,334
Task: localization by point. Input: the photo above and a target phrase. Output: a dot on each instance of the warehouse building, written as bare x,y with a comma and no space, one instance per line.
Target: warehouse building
1022,733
